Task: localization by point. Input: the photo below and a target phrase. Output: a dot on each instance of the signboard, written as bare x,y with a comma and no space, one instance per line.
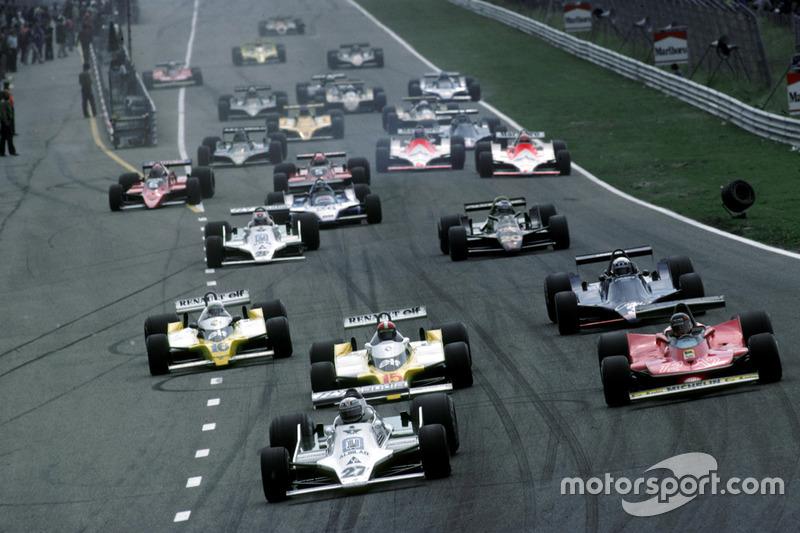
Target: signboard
793,92
577,17
671,46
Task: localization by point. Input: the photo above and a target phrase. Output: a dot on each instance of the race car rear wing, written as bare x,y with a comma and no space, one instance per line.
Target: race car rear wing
437,74
604,257
170,163
664,310
228,298
349,82
273,209
328,77
454,112
410,131
170,63
245,128
245,88
304,106
372,319
382,392
513,134
301,157
482,206
349,45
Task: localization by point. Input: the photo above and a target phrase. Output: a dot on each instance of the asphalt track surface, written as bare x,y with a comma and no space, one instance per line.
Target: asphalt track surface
89,441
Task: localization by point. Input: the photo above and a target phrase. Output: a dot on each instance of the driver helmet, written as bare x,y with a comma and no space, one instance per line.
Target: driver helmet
240,136
386,331
503,208
419,132
423,104
622,266
251,92
524,137
158,171
352,409
319,160
215,309
261,217
681,324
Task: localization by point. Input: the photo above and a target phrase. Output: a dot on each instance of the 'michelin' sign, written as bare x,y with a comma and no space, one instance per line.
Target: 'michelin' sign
577,17
671,46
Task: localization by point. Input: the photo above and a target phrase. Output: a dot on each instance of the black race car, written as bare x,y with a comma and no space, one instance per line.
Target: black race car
623,288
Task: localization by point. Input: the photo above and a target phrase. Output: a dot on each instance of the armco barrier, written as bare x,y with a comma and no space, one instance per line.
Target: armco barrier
767,125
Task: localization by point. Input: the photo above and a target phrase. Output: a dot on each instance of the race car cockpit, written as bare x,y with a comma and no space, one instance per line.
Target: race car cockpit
215,323
322,194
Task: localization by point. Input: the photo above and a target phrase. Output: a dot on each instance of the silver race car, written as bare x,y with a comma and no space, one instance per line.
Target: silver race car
281,26
249,102
264,240
352,96
355,55
445,86
472,132
418,110
504,230
360,449
237,148
425,149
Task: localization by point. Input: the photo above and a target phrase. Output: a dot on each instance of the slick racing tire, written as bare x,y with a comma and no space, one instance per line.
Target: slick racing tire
224,107
279,336
197,75
281,100
691,286
564,162
203,155
481,146
558,146
323,351
454,332
474,91
382,159
281,53
307,226
458,153
215,251
158,323
275,198
434,451
194,191
616,374
219,229
283,430
337,125
738,196
611,344
280,183
458,365
301,92
158,355
361,191
379,99
358,175
486,164
457,237
275,474
437,408
147,79
128,179
378,57
207,181
414,89
115,193
542,213
275,152
280,137
333,59
385,114
445,223
567,313
323,376
362,162
753,323
236,55
271,309
211,142
373,207
765,358
288,168
553,284
559,232
678,266
392,123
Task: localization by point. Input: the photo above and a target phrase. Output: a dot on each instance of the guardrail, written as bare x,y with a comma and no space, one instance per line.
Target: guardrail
767,125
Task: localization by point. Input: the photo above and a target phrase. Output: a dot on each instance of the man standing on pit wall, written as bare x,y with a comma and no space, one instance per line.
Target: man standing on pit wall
6,121
85,80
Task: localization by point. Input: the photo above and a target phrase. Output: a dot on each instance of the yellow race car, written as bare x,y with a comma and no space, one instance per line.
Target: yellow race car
217,338
391,366
304,124
258,52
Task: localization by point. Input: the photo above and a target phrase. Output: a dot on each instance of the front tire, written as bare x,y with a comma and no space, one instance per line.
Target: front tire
373,207
279,336
567,313
437,408
553,284
458,364
275,474
765,357
158,354
307,226
215,251
616,374
434,451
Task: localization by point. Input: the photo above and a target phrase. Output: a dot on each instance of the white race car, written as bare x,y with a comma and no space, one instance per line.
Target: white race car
446,87
521,154
425,149
360,448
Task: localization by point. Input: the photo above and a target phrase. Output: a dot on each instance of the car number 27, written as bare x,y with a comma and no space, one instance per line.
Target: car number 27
353,471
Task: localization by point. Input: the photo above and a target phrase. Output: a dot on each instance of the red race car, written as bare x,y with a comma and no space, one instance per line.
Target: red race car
288,176
687,356
158,186
172,74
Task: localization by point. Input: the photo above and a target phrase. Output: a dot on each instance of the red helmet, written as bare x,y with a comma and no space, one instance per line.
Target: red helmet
386,330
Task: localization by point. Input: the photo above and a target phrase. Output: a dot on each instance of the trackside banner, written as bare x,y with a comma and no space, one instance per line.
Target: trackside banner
793,92
577,17
671,47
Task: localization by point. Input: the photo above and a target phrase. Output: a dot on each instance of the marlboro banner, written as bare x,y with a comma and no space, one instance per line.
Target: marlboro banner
577,18
793,92
671,46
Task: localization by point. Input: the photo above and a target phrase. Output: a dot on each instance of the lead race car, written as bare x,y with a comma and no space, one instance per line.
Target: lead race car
446,87
504,231
281,26
617,298
159,186
425,149
355,55
236,148
217,338
252,104
360,449
522,154
687,357
391,366
264,240
304,123
172,74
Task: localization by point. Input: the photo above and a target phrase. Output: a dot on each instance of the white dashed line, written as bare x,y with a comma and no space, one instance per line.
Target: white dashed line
201,453
202,219
183,516
211,283
212,402
194,482
209,271
209,427
216,381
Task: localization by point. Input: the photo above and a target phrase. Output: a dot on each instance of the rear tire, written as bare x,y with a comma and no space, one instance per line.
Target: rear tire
437,408
610,344
323,351
217,228
553,284
691,286
564,162
159,323
753,323
458,153
283,431
445,223
323,376
275,198
678,266
275,152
